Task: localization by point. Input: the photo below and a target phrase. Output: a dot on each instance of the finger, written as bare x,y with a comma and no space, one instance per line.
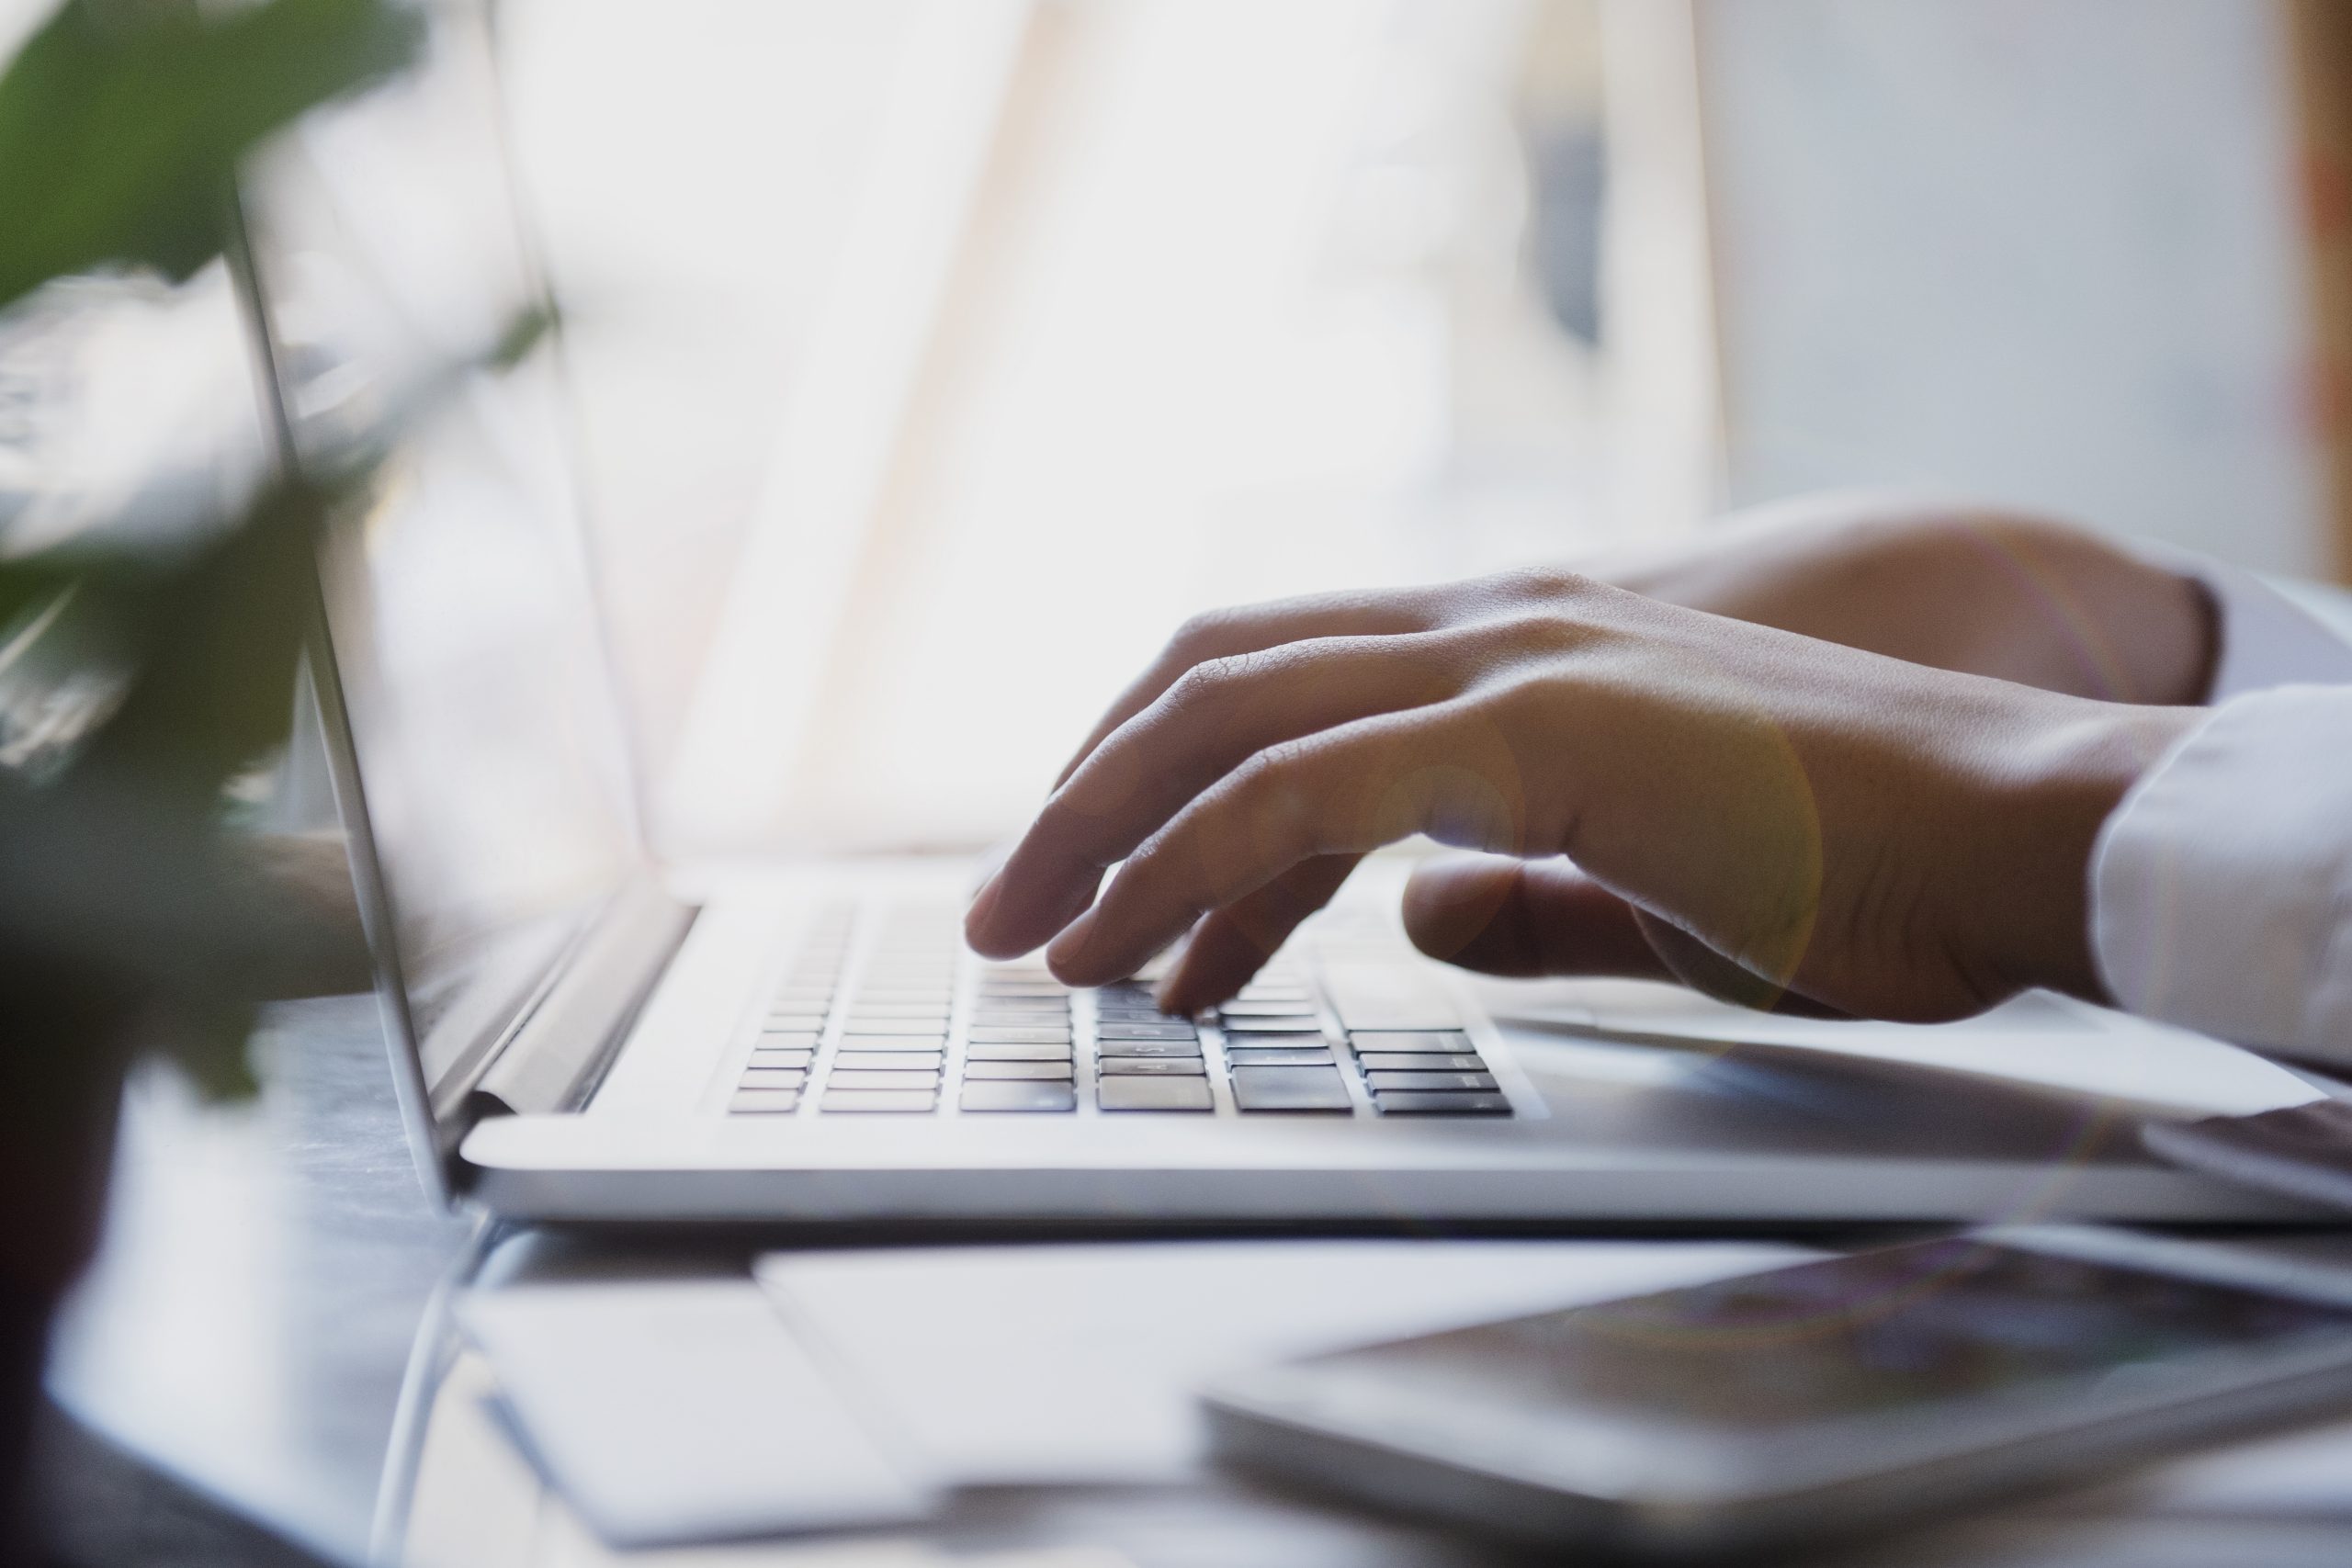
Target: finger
1440,770
1233,943
1254,628
1505,916
1214,718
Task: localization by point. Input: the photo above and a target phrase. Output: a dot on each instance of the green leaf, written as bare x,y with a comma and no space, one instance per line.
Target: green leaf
222,636
121,125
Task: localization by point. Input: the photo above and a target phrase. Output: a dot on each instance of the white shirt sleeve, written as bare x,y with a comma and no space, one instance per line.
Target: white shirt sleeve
2275,633
2221,886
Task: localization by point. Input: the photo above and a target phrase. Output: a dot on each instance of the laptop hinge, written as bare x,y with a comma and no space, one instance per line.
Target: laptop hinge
556,1056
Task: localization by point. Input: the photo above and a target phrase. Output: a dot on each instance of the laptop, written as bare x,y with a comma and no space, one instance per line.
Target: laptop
582,1032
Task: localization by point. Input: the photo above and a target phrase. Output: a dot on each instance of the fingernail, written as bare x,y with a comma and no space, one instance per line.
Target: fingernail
983,903
980,935
1071,943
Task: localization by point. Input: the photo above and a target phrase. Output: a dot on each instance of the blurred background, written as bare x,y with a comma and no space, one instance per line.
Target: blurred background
934,357
938,355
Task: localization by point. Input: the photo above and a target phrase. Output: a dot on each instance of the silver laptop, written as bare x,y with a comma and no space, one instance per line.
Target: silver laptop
581,1032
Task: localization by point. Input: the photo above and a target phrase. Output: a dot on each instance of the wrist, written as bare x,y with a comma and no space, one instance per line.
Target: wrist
2071,777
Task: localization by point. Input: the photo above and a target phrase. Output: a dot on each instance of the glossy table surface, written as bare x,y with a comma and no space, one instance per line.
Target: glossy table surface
268,1301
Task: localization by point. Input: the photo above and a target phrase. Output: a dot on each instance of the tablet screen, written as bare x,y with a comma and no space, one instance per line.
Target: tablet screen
1869,1334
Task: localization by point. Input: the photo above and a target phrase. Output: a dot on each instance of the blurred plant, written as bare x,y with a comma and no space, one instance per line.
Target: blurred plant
142,671
151,627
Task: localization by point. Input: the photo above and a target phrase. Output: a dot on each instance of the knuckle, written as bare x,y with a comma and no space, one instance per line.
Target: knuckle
1186,690
1528,697
1541,631
1213,678
1545,584
1199,634
1270,772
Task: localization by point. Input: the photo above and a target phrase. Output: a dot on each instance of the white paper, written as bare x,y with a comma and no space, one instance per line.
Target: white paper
1068,1364
2034,1039
683,1412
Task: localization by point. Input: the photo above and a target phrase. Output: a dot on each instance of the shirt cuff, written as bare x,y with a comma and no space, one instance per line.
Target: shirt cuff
2272,633
2221,886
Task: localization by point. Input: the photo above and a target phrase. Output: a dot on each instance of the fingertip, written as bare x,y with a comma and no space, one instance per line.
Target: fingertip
978,915
1022,907
1067,958
1452,902
1207,973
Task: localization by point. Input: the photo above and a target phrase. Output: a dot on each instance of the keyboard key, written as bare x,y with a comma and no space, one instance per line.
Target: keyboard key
925,1079
910,1028
989,1018
1031,1034
1262,991
786,1040
763,1057
1409,1104
1295,1056
984,1053
1290,1089
801,1023
764,1102
1237,1007
1115,1028
1107,1048
891,1061
1419,1062
1382,1081
1241,1026
1409,1040
898,1010
1153,1094
775,1078
878,1100
865,1043
801,998
995,1071
1029,1097
1152,1066
1388,995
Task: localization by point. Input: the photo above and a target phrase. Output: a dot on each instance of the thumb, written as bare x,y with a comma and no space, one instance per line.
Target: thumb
1520,918
1533,918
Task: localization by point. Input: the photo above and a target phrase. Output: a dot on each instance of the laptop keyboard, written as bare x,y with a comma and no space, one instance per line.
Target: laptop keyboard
908,1022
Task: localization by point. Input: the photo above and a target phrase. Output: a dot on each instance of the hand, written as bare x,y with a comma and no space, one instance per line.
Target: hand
1761,813
1985,593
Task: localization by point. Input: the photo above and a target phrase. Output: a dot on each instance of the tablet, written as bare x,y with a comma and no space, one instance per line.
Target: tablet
1823,1398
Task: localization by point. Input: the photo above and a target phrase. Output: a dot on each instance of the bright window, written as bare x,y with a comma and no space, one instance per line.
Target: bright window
938,356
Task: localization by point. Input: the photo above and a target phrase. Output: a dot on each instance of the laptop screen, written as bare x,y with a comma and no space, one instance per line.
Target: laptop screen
483,729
